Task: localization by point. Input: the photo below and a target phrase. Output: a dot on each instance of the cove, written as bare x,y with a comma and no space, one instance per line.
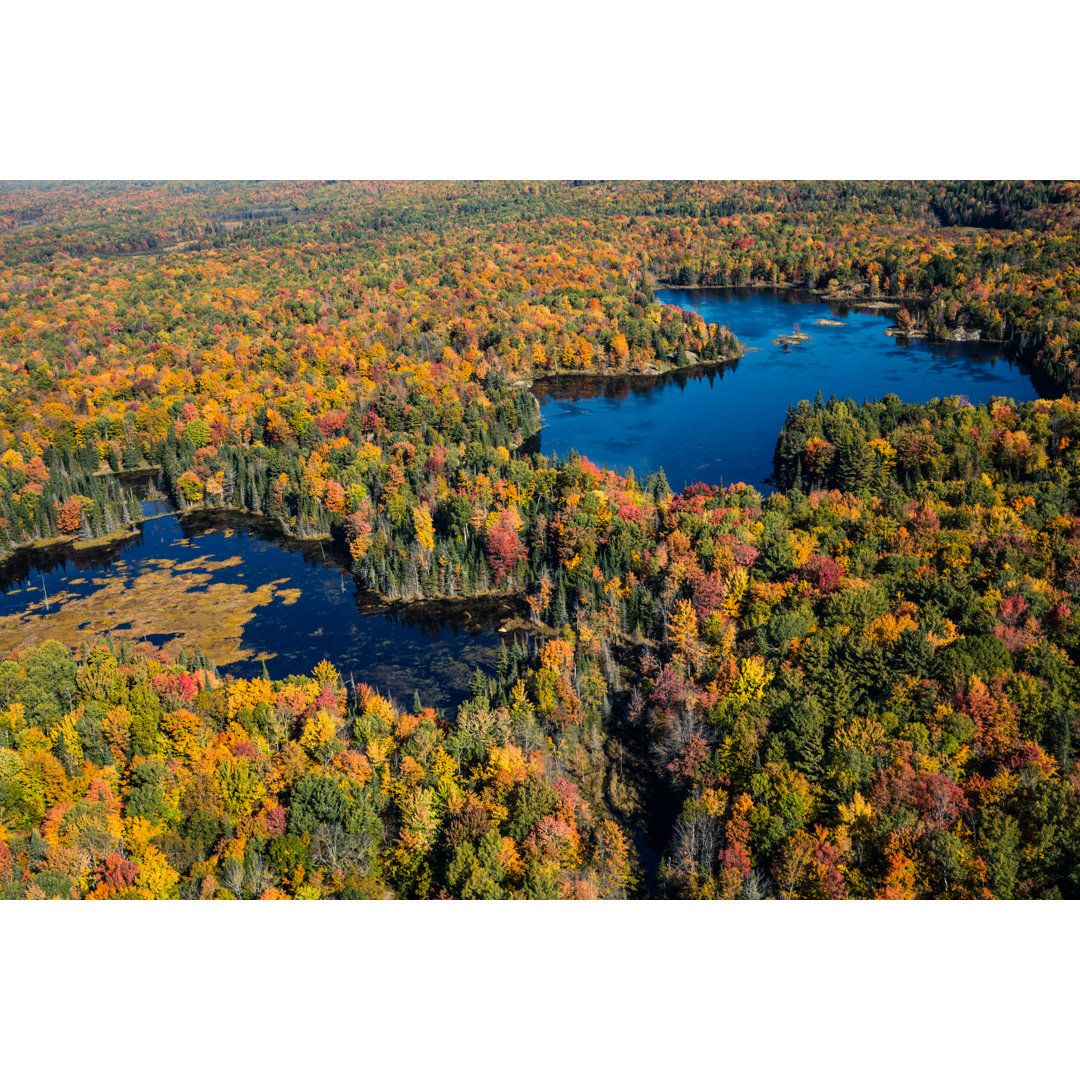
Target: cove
246,595
720,425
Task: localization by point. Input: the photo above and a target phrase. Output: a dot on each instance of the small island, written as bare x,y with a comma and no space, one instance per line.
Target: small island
796,337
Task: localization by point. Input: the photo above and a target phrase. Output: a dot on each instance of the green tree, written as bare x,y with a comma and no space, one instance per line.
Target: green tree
476,872
1001,842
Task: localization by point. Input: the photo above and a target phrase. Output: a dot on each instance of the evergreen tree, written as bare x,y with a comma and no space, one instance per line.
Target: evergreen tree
1000,842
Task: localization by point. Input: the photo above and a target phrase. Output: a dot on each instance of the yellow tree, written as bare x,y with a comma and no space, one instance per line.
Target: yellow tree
612,861
424,529
683,635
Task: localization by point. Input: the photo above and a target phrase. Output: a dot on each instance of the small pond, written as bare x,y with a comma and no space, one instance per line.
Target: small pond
246,596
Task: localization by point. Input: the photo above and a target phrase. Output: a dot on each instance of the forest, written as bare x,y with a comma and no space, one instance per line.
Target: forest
861,684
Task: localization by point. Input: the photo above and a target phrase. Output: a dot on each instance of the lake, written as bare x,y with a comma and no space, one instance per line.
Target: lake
247,595
721,426
231,584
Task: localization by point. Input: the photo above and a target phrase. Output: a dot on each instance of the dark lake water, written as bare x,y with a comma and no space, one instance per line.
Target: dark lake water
396,652
721,427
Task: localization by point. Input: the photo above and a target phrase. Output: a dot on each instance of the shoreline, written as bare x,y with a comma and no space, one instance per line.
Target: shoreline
50,544
651,372
845,296
856,300
648,373
1017,349
510,606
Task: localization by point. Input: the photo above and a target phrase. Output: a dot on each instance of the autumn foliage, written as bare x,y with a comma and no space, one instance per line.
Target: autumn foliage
862,684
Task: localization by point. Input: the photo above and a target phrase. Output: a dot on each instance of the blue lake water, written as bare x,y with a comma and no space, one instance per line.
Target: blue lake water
721,426
717,427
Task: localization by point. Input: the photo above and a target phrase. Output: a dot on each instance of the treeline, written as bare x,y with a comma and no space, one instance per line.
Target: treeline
60,496
890,446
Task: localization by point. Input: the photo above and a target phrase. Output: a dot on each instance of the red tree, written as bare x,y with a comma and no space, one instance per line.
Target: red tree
70,517
504,548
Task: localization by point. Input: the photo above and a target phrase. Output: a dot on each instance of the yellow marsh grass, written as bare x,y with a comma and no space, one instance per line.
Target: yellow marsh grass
160,600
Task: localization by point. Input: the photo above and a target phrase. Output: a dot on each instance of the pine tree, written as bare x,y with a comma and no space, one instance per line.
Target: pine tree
1001,841
658,486
806,735
559,614
840,693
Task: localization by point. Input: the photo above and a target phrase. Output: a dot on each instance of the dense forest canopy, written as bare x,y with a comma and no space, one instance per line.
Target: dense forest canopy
862,685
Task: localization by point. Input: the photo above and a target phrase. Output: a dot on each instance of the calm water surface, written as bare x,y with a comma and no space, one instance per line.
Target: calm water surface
721,427
396,653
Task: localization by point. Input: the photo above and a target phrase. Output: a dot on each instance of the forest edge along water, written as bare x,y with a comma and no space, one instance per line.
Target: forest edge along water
235,586
256,595
719,424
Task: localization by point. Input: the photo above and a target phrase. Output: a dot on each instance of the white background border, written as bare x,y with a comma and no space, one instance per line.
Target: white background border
547,90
